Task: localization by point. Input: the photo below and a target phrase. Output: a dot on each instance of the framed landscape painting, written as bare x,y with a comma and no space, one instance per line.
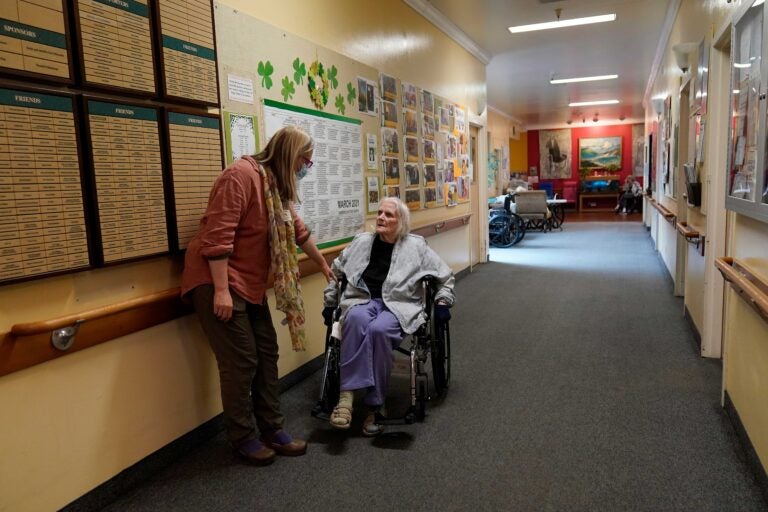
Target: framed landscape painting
603,153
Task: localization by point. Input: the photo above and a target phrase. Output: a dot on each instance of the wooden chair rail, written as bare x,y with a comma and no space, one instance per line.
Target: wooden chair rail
748,286
668,215
29,344
442,226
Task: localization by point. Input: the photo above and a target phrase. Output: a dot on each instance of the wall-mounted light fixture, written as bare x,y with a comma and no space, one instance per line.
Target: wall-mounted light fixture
657,102
682,52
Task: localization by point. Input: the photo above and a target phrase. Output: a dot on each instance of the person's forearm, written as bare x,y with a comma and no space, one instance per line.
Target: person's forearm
219,273
311,250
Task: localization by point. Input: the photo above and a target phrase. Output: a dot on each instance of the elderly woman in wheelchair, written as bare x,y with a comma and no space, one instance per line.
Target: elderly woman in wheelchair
381,303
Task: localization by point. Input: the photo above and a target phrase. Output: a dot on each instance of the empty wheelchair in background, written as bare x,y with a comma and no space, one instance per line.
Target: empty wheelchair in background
429,349
505,228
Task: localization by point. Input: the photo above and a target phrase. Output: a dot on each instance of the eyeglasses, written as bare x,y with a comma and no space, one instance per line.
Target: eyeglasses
309,162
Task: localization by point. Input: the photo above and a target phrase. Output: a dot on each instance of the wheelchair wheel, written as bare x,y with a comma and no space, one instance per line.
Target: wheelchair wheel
441,358
516,228
329,391
499,232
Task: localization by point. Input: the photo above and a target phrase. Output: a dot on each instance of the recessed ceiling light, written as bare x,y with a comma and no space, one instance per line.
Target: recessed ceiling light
588,103
582,79
563,23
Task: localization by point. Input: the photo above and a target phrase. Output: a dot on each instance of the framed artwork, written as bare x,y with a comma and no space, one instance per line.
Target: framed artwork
603,153
555,151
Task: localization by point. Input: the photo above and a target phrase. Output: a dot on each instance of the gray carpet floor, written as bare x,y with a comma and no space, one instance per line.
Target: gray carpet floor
576,387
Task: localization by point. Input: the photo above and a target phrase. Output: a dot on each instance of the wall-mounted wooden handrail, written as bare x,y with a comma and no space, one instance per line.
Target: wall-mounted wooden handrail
691,235
684,229
28,344
442,226
32,328
668,215
748,286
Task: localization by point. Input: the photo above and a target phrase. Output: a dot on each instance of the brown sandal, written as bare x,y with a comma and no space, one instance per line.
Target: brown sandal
341,417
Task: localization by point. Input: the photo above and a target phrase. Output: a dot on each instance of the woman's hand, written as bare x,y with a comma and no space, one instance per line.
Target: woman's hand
328,273
222,304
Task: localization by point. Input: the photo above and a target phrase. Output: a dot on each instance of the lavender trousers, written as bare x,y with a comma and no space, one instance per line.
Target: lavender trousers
369,334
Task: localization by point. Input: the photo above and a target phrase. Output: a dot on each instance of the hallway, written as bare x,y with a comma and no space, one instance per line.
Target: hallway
576,386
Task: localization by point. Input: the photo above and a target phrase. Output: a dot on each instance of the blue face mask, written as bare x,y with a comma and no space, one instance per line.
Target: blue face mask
302,172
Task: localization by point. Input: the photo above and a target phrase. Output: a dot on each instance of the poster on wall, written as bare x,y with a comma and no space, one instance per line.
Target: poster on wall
241,135
370,140
374,195
367,97
638,149
555,154
332,192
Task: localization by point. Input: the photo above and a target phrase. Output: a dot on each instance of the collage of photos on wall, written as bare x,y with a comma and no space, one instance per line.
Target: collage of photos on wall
424,148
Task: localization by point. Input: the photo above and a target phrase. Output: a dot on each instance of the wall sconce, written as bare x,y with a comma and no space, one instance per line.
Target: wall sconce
657,102
682,52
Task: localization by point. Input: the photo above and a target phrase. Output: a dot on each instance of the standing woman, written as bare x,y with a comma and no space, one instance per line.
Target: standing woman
250,230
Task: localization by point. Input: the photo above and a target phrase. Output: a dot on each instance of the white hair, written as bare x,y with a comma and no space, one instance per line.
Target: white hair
403,217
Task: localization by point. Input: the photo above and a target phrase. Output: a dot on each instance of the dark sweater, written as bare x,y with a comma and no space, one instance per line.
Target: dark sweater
378,266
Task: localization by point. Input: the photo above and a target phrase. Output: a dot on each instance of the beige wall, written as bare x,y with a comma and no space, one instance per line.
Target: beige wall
745,335
499,133
71,424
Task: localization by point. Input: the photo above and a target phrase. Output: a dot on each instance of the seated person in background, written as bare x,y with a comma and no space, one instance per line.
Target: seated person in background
380,304
630,191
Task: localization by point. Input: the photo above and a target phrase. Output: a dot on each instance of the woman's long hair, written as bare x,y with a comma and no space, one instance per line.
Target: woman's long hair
280,155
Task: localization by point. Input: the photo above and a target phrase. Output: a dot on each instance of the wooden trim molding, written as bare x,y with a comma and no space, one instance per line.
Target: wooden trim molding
442,226
749,287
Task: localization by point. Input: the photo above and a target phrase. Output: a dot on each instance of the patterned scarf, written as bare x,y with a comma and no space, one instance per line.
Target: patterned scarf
284,264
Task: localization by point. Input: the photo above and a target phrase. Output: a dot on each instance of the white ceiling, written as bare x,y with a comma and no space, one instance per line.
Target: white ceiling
521,65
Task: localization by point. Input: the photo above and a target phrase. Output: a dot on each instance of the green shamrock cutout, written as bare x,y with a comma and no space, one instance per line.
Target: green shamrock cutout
288,90
299,71
265,70
332,77
340,103
351,93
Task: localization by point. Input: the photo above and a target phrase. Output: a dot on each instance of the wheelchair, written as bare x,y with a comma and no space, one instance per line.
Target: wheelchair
505,228
430,346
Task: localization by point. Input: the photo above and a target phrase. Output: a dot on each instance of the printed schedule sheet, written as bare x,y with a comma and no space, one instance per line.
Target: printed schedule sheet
332,192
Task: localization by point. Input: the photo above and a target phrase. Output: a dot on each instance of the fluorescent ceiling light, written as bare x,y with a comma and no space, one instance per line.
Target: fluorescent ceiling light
741,65
589,103
582,79
563,23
